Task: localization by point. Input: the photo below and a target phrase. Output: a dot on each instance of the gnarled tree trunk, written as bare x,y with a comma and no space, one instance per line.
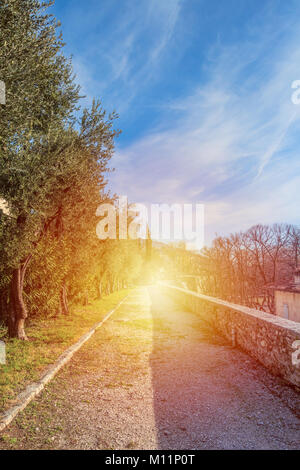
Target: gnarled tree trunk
64,308
17,306
100,290
86,298
108,288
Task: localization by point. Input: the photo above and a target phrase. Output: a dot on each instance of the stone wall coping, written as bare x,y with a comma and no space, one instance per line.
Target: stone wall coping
288,325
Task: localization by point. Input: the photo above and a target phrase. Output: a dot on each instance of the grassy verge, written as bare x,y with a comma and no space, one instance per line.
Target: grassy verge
26,360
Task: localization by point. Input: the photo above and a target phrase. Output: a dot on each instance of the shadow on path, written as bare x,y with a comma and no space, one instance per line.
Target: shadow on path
208,395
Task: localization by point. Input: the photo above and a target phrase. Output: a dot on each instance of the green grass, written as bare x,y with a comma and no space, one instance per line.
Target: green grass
48,338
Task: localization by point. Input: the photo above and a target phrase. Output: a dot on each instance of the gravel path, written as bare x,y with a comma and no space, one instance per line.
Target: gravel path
157,377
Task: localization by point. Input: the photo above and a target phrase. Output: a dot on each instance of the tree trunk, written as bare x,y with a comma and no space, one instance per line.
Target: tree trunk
4,307
100,290
86,298
17,310
108,288
64,308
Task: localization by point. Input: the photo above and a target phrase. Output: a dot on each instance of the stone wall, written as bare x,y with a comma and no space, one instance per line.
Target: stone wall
273,341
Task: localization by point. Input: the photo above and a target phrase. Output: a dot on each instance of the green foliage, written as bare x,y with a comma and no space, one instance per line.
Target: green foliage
53,171
35,123
39,85
44,278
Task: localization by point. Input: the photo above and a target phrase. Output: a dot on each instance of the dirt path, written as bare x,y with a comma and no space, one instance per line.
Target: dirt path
156,377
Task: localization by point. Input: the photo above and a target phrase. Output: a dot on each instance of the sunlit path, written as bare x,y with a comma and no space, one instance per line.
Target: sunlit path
208,395
156,377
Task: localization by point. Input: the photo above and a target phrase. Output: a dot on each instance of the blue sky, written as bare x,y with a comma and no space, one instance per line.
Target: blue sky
203,90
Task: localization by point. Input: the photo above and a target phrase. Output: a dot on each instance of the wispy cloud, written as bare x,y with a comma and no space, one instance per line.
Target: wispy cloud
167,12
276,145
222,128
123,60
227,139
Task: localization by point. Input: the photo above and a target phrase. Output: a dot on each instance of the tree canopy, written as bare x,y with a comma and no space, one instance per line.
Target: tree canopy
53,174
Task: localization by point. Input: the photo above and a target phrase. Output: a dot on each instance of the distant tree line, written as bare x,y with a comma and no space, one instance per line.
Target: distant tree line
244,267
